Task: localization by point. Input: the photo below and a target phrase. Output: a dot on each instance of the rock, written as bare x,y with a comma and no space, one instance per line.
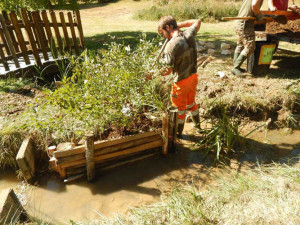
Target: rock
200,49
211,51
225,52
209,45
225,46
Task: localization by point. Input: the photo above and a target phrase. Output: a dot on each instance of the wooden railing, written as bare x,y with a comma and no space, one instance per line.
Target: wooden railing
37,37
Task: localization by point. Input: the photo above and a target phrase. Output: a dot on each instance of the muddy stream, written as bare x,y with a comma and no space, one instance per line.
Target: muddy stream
141,183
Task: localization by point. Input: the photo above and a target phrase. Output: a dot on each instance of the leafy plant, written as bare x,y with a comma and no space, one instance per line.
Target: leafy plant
221,137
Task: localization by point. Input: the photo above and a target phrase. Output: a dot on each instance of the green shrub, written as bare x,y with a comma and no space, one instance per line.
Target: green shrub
190,9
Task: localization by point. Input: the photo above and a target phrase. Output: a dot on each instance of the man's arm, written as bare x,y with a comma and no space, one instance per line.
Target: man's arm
256,4
189,23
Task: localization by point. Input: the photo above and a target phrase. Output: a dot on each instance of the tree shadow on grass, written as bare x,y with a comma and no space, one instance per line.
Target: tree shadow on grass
100,42
95,4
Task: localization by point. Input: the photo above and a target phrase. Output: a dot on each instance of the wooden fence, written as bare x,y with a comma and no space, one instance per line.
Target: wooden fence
36,37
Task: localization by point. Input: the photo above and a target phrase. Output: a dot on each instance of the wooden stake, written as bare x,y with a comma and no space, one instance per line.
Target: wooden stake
90,159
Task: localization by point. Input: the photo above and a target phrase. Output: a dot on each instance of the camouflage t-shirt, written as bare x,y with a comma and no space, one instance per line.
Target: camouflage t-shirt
180,54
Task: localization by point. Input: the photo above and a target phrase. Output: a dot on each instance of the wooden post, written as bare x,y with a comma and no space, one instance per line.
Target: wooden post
89,154
172,131
165,134
25,160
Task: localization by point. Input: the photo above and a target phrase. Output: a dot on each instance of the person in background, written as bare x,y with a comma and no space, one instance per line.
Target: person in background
245,34
180,59
280,4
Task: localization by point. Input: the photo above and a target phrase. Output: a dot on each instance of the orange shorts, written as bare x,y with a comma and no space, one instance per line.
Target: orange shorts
183,95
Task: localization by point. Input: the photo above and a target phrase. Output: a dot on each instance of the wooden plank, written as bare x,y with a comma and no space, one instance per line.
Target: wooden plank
25,160
11,210
50,37
73,33
109,149
113,163
9,41
89,155
33,29
30,37
127,151
79,27
3,60
106,143
65,31
20,37
4,42
12,35
56,30
41,38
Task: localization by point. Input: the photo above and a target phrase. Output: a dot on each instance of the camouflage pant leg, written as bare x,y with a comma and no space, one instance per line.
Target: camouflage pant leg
245,41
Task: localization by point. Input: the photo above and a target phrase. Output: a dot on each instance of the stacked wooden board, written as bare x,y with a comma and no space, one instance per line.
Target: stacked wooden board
107,154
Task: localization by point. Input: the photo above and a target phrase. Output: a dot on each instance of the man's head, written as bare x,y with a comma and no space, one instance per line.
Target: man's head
166,26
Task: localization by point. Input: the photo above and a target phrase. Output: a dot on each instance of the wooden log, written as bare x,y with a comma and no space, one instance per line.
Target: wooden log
89,155
65,31
11,210
103,144
109,149
56,31
73,33
127,151
9,42
79,26
41,37
51,41
30,37
26,160
20,37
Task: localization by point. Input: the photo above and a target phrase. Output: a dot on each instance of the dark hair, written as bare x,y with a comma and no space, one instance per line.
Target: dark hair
167,20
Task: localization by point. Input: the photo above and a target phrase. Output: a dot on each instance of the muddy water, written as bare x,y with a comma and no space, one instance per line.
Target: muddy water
134,185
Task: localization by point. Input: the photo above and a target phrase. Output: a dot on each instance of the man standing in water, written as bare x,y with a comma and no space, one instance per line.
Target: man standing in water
245,34
180,58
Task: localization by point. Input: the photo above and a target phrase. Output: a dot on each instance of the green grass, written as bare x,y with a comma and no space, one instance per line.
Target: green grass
187,9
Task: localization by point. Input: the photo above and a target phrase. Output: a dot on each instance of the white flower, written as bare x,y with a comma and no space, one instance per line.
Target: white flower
126,111
127,48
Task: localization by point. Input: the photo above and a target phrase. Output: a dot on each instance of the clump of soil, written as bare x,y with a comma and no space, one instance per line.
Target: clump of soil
291,29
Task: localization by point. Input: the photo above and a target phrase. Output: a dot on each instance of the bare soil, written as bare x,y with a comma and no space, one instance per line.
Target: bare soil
291,29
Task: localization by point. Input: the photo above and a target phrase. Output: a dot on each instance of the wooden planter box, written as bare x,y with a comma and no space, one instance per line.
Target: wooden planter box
84,160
